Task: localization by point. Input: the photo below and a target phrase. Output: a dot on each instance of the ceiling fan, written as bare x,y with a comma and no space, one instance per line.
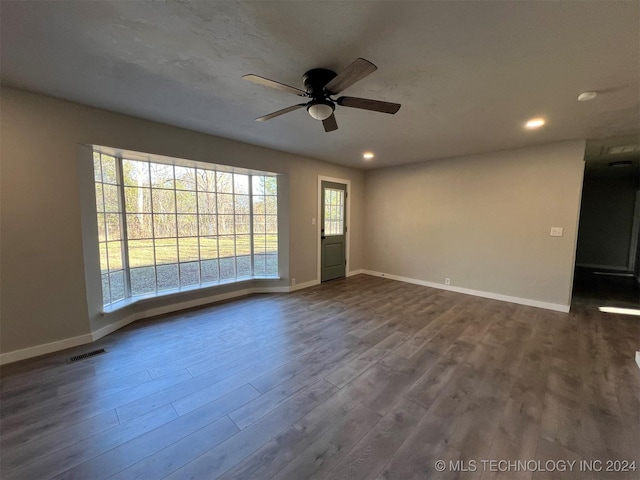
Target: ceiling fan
321,84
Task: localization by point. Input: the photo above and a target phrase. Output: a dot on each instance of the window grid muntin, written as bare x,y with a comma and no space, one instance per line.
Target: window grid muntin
235,235
251,249
175,213
197,191
104,246
263,238
246,239
215,175
153,229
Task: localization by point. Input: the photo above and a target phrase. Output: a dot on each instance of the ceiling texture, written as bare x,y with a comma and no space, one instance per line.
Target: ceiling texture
468,74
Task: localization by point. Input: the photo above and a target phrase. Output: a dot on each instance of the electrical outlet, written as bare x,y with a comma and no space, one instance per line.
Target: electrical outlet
293,281
447,281
556,231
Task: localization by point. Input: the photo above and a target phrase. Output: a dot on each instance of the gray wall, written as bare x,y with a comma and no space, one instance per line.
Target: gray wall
42,270
606,217
482,220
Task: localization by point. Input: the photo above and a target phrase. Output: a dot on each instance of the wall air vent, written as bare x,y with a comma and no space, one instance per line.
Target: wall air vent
623,149
86,355
622,163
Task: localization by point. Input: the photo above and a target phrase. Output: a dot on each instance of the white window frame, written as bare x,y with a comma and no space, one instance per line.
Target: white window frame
253,253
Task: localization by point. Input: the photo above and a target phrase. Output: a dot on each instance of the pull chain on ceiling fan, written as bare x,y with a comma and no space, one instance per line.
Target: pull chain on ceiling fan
321,84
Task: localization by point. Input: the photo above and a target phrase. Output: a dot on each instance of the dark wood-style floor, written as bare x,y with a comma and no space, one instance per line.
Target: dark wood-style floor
362,378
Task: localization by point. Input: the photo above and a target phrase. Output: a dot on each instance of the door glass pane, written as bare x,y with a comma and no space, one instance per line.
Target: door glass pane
333,211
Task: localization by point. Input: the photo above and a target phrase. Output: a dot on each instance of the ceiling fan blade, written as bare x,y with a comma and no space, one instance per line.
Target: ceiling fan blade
280,112
359,69
273,84
366,104
330,123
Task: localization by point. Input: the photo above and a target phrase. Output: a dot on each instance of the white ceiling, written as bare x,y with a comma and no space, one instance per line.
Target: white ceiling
468,75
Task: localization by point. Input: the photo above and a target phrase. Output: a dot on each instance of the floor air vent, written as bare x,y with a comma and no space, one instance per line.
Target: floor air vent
86,355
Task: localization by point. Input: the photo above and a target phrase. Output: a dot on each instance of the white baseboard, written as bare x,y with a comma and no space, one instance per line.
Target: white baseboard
23,354
300,286
355,272
174,307
43,349
638,358
477,293
271,290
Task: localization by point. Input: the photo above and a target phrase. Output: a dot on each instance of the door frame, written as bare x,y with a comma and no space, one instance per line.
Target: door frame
635,231
347,248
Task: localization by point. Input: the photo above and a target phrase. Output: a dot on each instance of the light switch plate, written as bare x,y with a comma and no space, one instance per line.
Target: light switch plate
556,231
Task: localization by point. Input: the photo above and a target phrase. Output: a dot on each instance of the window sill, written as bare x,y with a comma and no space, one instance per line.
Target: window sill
127,302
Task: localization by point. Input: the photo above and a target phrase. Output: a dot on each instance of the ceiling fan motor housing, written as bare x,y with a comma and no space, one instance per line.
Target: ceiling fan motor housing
320,107
315,80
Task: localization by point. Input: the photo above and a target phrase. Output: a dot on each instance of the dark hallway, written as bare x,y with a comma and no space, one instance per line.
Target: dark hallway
602,288
607,251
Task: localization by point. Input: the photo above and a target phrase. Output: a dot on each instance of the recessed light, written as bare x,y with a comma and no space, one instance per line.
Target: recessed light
534,123
368,155
586,96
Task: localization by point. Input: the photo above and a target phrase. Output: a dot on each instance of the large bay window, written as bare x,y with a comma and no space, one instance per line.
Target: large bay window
175,225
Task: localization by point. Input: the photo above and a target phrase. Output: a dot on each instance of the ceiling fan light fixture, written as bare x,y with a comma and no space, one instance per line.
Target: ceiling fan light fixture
320,109
586,96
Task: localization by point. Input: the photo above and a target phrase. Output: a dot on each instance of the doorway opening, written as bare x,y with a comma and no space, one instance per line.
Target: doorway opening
607,272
